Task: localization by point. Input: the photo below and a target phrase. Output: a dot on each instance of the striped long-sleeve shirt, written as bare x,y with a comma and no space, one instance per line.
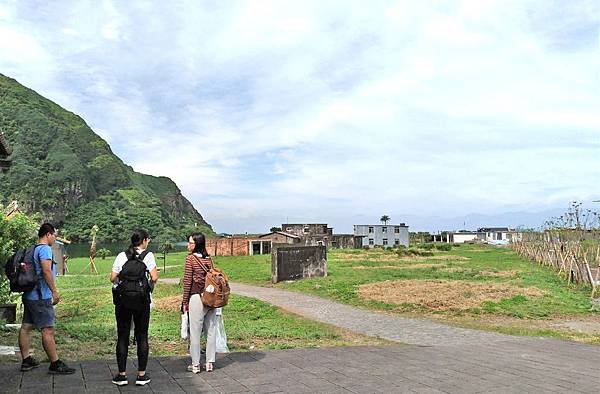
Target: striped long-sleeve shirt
194,275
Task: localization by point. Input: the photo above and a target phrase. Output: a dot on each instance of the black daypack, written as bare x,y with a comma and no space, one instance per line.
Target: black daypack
133,290
20,271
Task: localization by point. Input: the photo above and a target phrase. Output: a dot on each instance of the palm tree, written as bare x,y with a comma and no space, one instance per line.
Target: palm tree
384,219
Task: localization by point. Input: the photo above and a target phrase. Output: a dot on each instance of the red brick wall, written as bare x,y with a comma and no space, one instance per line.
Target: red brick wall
227,246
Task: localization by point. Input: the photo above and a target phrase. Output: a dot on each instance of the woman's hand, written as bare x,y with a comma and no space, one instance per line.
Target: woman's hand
186,308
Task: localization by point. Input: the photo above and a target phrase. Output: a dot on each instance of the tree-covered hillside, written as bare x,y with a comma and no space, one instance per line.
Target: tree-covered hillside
63,170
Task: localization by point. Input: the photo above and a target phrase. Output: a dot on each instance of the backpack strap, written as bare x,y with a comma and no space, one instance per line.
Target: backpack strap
143,255
200,263
41,275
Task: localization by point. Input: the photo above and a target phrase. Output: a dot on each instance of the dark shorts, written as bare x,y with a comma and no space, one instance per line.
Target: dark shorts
39,313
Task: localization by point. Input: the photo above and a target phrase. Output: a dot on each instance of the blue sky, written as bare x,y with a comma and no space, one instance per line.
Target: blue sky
331,111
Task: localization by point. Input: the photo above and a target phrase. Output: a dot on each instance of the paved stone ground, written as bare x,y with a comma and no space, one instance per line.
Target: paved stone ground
438,359
528,366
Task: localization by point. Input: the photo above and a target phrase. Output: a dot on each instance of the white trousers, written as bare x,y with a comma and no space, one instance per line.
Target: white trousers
201,315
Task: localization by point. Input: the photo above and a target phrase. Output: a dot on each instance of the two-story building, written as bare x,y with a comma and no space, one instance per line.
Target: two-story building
310,233
382,234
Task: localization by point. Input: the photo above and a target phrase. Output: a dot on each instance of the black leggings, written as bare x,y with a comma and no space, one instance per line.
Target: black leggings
141,320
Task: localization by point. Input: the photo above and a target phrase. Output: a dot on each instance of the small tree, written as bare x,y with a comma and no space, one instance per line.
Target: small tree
16,233
275,229
103,253
384,219
165,248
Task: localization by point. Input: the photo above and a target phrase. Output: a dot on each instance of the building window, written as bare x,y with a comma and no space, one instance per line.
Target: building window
384,229
385,241
306,229
320,243
370,229
396,242
371,242
397,229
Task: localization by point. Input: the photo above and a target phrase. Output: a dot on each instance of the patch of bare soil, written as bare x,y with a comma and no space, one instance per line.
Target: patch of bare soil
495,274
442,295
500,274
396,267
449,257
168,304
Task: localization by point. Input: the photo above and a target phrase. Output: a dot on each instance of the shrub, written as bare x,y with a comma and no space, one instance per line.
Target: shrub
103,253
16,233
444,247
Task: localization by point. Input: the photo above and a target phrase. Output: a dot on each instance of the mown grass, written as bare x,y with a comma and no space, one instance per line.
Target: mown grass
85,322
469,263
85,326
519,315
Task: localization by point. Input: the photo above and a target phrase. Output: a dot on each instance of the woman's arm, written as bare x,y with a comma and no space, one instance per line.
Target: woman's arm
154,275
187,282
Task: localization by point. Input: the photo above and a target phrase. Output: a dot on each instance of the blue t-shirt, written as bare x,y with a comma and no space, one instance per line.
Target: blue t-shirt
42,252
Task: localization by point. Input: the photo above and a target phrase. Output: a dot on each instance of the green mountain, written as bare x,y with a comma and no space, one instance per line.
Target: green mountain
64,171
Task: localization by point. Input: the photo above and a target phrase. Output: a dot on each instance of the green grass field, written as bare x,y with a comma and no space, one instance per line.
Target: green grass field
539,303
86,327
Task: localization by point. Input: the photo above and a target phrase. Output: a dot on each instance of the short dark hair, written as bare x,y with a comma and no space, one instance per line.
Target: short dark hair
45,229
199,244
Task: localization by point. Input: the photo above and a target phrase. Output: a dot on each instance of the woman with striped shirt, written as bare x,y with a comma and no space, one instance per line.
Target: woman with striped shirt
197,263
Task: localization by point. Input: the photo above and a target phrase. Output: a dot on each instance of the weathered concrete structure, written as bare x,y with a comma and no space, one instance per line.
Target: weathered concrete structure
382,235
291,262
346,241
279,237
311,234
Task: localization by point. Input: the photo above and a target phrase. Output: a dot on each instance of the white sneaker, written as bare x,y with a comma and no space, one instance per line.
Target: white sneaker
193,368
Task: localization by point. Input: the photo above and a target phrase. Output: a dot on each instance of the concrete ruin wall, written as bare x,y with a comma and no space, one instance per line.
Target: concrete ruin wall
346,241
298,262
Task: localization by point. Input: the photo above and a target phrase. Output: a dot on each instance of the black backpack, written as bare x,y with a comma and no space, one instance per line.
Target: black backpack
133,290
20,271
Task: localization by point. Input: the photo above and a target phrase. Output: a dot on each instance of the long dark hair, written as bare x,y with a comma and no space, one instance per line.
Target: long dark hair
199,244
137,238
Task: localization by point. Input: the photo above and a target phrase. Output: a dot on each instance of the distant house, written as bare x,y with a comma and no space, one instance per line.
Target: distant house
382,234
5,152
310,233
495,233
280,237
459,237
484,234
264,243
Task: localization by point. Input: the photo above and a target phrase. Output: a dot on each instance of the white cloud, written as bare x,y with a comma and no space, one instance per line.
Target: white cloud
272,109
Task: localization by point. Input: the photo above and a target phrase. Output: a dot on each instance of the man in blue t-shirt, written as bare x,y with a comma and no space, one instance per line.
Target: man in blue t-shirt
38,305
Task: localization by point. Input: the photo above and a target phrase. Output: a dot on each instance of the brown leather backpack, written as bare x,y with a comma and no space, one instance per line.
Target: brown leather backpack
220,296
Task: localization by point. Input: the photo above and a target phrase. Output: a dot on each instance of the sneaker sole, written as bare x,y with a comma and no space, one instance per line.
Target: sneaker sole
61,373
123,383
25,369
142,382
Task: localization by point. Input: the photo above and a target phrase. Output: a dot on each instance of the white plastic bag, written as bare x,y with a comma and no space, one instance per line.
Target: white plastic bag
185,325
220,336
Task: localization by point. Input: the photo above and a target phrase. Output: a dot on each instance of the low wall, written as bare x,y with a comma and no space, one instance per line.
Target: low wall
227,246
297,262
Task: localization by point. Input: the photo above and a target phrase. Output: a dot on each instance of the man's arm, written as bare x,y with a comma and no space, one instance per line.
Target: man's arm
47,273
114,277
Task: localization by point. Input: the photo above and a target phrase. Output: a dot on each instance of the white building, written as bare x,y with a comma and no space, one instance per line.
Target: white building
382,234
